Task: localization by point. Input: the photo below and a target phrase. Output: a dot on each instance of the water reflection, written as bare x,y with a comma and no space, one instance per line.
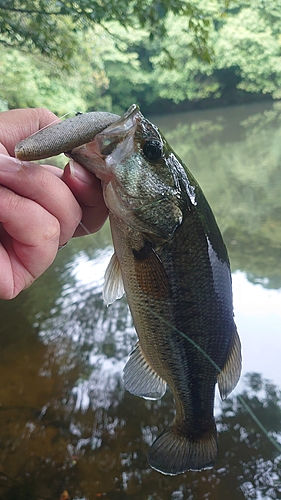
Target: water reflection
87,434
236,157
66,421
258,318
82,331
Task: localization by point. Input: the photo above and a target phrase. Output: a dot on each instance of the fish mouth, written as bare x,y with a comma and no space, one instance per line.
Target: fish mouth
109,139
118,137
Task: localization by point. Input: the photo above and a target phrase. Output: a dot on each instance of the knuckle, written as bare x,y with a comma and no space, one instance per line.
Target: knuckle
51,230
13,202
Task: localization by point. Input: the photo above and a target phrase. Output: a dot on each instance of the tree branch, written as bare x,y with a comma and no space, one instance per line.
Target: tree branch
32,11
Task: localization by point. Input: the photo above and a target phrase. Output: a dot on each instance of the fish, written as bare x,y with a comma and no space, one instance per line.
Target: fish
171,261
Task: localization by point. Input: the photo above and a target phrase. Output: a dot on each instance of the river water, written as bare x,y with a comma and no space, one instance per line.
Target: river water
66,422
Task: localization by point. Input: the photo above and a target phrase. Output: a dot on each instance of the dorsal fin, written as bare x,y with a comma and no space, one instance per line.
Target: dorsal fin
230,374
113,287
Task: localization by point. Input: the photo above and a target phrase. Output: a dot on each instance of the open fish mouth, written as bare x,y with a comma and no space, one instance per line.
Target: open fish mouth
118,137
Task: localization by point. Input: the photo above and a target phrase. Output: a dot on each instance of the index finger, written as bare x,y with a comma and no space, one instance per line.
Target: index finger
16,124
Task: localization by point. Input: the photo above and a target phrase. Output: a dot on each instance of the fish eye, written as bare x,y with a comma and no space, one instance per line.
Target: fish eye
152,149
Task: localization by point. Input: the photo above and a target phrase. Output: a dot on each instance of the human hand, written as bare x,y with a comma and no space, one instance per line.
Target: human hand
41,206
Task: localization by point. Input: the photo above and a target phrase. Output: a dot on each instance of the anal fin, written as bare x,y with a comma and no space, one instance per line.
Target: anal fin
230,374
140,378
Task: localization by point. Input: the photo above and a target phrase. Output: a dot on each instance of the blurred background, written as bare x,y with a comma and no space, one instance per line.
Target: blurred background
208,74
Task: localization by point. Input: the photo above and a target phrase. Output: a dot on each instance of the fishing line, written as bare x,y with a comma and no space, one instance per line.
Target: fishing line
84,227
239,397
259,423
57,120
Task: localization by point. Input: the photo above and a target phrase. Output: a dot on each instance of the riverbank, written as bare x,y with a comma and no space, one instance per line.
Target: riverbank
228,98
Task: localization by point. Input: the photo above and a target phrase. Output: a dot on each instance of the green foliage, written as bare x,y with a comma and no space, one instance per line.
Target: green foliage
126,59
250,45
187,77
245,50
31,25
50,26
246,55
108,55
29,80
3,105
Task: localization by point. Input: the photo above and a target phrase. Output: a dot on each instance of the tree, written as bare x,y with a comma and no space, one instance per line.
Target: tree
50,26
114,55
32,80
248,46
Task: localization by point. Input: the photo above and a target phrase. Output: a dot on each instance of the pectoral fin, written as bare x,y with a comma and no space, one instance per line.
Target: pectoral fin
113,283
140,379
230,374
150,273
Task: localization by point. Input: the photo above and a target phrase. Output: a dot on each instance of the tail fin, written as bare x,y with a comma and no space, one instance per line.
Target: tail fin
174,453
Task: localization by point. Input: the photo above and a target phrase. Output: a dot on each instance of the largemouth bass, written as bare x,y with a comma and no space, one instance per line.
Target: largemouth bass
171,261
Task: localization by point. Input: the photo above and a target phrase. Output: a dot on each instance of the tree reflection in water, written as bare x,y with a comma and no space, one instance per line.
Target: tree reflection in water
66,421
72,426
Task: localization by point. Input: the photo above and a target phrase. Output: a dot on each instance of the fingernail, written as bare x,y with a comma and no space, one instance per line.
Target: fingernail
76,170
9,164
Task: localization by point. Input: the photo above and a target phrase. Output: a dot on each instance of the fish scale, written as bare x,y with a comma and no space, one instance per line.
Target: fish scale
171,261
